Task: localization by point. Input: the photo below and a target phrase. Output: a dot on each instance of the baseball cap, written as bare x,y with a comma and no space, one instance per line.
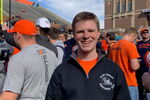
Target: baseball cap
25,27
43,22
144,30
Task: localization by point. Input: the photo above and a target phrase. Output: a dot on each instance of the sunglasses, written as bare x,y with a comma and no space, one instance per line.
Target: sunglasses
145,32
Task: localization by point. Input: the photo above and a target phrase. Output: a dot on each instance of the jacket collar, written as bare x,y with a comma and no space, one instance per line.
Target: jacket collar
100,55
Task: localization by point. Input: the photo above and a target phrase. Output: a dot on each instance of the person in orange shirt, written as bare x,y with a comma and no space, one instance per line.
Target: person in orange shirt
125,54
104,44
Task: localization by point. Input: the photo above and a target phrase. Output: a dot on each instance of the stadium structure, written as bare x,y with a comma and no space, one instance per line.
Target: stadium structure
31,10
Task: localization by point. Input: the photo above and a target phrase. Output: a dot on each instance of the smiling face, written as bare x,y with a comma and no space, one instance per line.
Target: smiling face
62,37
86,35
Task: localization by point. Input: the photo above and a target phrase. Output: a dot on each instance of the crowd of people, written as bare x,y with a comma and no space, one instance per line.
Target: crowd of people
39,62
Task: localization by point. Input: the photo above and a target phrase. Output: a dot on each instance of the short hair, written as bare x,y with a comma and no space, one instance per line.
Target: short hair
66,35
102,36
111,35
131,30
53,33
84,16
43,31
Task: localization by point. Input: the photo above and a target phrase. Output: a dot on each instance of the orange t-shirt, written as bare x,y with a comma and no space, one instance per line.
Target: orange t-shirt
87,65
15,51
121,53
104,45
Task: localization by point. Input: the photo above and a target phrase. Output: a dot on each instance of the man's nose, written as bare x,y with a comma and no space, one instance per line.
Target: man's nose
85,35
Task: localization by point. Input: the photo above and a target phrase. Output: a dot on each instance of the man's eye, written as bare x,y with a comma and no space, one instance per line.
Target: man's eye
80,32
91,30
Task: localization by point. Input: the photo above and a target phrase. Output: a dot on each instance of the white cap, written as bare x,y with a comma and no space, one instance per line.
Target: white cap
43,22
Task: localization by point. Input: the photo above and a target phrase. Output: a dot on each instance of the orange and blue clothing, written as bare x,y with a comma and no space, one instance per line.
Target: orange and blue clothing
104,80
121,53
142,48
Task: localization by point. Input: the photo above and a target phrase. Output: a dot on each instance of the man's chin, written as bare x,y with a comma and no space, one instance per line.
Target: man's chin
86,50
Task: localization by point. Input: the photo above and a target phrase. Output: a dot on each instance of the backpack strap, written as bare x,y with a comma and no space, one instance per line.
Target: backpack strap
59,47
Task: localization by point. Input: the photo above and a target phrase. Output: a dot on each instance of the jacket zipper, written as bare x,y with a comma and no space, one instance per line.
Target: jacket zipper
87,75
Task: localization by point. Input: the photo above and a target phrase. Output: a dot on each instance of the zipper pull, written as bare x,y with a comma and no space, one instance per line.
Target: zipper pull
87,76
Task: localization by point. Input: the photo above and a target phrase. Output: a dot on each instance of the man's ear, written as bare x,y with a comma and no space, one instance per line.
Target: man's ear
18,36
37,29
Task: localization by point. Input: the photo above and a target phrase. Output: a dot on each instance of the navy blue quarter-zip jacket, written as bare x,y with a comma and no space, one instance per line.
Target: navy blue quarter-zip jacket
105,81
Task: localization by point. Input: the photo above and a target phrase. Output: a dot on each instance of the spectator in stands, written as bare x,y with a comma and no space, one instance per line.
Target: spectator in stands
30,70
143,46
43,27
125,54
53,36
88,75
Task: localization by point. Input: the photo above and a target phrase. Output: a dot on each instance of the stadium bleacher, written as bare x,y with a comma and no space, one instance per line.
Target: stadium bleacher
33,13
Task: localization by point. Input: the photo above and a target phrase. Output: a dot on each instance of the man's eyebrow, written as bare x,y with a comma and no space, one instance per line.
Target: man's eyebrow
79,31
91,30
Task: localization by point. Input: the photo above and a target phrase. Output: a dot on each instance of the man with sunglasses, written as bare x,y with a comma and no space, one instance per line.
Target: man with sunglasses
143,46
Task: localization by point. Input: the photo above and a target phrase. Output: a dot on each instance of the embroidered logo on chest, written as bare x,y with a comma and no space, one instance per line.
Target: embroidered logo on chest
106,82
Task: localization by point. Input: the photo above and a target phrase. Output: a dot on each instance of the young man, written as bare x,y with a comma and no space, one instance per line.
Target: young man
62,37
88,75
30,70
43,27
124,53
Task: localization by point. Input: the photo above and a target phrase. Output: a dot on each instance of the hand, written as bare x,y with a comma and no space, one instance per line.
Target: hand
5,27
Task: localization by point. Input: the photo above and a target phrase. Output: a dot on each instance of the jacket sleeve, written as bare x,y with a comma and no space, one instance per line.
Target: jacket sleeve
121,88
54,91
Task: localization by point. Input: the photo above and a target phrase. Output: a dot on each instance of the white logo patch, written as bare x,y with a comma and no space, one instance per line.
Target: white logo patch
106,82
